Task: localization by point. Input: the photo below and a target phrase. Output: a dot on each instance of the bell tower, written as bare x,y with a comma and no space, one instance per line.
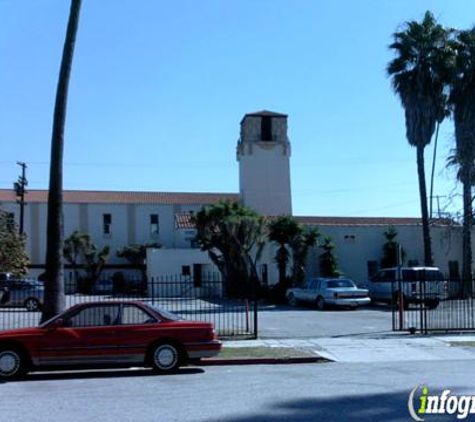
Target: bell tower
263,152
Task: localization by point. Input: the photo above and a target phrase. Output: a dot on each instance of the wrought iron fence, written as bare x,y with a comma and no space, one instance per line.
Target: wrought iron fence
201,300
433,306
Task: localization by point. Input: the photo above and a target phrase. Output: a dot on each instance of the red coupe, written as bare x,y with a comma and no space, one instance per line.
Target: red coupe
107,334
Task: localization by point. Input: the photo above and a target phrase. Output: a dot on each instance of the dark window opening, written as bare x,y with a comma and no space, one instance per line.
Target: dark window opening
197,279
266,128
107,224
185,270
154,225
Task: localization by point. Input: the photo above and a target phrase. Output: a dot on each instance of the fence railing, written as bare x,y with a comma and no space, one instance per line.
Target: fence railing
201,300
429,306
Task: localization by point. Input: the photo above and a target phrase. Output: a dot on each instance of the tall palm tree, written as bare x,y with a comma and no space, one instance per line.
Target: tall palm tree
462,99
419,77
54,286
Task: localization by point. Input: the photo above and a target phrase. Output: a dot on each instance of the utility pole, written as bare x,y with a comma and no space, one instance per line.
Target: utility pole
437,197
20,190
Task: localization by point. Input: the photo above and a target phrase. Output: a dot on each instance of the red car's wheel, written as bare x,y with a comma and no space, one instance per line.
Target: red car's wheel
166,357
12,363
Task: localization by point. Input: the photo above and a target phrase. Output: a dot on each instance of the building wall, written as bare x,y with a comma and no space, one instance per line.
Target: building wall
130,224
162,263
356,245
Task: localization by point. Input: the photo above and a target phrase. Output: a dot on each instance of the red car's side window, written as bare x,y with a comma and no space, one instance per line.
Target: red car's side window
133,315
94,316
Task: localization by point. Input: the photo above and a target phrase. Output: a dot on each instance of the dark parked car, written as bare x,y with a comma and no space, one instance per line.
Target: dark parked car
22,293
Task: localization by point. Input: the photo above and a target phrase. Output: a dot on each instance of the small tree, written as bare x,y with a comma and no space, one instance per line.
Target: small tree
95,261
328,262
76,246
136,254
390,253
79,248
234,236
13,257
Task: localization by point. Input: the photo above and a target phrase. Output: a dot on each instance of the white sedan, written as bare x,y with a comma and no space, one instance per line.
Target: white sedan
329,291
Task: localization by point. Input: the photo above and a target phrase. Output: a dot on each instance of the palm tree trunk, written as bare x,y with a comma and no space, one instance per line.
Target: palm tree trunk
432,173
281,258
54,286
467,231
425,214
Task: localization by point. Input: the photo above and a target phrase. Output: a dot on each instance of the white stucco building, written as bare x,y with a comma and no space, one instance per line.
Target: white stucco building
263,152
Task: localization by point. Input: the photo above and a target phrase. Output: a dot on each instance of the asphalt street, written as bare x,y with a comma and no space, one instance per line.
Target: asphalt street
312,392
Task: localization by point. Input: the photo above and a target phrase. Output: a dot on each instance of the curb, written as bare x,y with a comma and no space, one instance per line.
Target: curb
261,361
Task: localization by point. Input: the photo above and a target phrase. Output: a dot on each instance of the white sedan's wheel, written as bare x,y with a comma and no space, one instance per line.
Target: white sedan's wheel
166,358
320,303
11,363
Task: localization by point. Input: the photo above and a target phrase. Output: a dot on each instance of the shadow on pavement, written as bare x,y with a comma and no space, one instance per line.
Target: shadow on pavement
101,374
388,407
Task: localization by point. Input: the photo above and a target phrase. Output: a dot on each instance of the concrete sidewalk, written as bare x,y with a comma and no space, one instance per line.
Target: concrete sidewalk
386,349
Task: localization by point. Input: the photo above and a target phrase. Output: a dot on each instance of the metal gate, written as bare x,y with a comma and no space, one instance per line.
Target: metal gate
433,306
202,299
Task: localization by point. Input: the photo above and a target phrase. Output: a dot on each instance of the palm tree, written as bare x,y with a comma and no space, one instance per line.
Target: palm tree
328,261
462,99
300,245
54,286
419,77
281,231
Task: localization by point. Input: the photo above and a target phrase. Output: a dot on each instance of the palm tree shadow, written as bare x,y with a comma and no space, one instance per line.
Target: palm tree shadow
388,407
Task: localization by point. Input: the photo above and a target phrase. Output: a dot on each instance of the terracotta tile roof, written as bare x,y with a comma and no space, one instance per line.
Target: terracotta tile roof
112,197
368,221
183,221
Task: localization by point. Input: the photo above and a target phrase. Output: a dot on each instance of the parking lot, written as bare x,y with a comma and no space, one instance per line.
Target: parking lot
307,322
274,321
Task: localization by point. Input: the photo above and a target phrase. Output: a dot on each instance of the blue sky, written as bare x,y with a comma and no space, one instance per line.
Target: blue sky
158,89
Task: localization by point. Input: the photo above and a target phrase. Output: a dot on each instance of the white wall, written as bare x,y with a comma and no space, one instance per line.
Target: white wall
166,217
264,178
354,254
168,262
